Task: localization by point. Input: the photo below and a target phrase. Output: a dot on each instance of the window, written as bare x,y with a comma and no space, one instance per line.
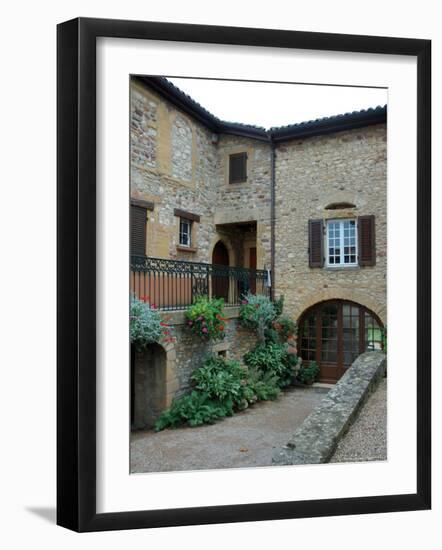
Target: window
185,232
238,168
341,239
138,216
343,242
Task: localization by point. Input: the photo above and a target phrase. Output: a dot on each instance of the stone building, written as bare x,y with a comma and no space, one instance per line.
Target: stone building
222,208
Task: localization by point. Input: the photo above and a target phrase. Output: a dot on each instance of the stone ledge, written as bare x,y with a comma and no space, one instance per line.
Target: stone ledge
315,441
178,317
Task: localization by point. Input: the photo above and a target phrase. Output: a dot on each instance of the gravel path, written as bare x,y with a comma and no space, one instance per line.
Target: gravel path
243,440
367,437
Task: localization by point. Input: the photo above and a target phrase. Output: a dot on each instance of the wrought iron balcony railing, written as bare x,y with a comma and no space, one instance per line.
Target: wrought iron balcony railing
175,284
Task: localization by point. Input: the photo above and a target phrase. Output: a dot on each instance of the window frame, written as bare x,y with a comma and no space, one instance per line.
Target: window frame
342,264
189,223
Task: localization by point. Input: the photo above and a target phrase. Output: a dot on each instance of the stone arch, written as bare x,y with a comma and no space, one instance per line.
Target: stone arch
356,296
153,383
339,206
340,197
226,242
333,333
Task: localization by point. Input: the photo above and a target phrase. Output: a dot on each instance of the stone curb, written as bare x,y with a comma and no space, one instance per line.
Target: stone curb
315,441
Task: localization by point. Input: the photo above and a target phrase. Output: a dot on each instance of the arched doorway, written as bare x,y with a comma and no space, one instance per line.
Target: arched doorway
334,333
148,385
220,277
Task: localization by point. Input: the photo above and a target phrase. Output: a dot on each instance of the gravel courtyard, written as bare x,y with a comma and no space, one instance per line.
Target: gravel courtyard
367,437
244,440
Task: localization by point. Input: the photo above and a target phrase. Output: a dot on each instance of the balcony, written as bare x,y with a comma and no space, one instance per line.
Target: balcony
175,284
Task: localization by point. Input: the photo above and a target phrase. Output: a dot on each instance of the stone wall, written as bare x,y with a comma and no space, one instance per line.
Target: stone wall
248,201
182,144
176,164
162,373
348,166
173,165
315,440
191,350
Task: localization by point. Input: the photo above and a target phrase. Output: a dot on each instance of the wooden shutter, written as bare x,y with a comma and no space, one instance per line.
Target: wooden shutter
366,241
238,168
316,243
138,230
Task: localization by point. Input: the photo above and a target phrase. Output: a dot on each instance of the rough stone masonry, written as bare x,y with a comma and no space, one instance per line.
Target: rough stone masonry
315,440
178,162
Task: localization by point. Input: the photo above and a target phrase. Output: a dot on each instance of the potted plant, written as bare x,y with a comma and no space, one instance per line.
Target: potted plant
307,374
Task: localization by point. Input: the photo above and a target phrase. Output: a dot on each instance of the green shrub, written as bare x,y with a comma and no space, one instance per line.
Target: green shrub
205,318
221,388
279,305
194,409
222,380
308,374
263,385
285,327
271,335
257,313
146,324
274,358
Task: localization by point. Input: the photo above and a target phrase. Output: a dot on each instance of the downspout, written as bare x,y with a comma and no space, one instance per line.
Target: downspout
272,216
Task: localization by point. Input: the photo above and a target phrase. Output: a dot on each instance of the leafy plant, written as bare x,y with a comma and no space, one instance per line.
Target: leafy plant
194,409
146,324
285,327
221,388
271,335
307,374
205,318
263,385
257,313
222,380
274,358
279,305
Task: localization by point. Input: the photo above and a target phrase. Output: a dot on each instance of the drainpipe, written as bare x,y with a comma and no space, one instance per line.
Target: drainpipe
272,217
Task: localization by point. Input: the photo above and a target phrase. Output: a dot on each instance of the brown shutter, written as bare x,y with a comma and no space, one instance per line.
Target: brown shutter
366,241
316,243
238,168
137,230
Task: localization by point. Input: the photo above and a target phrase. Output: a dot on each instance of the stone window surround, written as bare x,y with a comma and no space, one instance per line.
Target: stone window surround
221,347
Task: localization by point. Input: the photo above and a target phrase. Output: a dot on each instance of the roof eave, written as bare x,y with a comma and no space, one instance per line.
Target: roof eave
279,136
159,85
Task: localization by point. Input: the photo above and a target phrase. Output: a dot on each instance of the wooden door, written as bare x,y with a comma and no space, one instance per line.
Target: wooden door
334,333
220,278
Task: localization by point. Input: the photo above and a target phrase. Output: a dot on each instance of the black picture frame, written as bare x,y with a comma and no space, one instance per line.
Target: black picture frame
76,271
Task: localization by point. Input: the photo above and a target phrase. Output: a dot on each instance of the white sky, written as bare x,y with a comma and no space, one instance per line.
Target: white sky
280,104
